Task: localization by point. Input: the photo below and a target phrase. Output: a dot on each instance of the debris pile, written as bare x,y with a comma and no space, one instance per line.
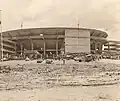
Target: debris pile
5,69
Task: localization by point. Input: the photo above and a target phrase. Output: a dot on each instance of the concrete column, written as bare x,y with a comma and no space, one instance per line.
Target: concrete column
44,51
95,46
57,47
32,45
21,48
15,48
64,46
100,47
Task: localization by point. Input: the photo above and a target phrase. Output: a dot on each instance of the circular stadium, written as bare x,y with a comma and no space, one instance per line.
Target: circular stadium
53,41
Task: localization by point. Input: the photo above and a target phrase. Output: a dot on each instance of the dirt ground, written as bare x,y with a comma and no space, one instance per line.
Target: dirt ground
105,93
30,84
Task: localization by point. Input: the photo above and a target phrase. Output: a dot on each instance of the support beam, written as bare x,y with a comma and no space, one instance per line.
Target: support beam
63,47
33,37
10,41
57,47
32,45
9,51
95,46
100,47
10,46
44,46
15,48
21,48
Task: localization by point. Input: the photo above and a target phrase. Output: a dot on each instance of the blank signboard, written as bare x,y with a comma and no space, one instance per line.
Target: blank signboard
77,41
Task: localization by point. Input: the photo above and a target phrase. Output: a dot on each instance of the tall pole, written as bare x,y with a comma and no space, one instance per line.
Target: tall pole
1,35
78,35
21,25
57,45
21,45
78,24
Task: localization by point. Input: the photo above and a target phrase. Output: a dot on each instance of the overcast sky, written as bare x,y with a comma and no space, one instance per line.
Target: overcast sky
100,14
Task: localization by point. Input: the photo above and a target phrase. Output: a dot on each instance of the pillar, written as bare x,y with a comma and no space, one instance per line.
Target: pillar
64,46
32,45
95,46
100,47
57,47
15,48
44,51
21,48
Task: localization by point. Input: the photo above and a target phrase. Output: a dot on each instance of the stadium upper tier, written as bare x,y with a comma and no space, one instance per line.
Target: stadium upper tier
17,34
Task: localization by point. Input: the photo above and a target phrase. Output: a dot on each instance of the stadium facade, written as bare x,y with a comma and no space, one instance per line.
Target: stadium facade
55,41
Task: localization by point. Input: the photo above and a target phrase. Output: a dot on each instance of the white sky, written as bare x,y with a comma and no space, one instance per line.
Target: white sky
100,14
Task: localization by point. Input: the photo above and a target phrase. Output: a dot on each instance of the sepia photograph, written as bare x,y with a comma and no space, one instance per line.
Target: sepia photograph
59,50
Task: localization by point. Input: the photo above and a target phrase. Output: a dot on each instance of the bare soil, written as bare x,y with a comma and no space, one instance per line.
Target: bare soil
29,81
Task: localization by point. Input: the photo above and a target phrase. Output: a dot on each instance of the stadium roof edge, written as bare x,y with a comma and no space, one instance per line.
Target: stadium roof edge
90,29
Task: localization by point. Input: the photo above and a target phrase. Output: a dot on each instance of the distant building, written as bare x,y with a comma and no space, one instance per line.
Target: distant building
112,46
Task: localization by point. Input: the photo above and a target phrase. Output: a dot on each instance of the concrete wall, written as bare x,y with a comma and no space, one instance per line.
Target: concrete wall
77,41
